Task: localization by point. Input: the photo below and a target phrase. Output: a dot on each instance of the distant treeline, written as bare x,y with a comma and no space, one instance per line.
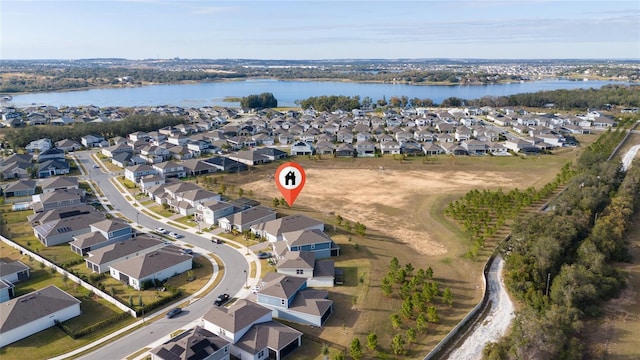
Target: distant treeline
577,99
47,79
19,137
559,263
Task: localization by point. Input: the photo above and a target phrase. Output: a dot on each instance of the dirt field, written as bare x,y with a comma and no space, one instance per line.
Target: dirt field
401,203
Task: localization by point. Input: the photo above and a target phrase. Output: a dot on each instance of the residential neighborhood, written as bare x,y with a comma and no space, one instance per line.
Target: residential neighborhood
215,141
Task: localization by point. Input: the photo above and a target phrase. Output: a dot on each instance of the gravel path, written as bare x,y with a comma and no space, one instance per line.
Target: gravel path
629,156
496,322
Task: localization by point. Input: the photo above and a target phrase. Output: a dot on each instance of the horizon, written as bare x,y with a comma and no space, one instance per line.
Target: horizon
320,30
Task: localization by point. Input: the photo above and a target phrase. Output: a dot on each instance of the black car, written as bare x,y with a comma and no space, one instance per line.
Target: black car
221,300
173,312
264,255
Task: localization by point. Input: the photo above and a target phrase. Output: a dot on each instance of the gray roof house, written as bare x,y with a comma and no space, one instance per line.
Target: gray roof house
243,220
103,233
272,230
53,167
195,343
212,211
289,299
313,240
20,188
99,260
11,273
63,230
34,312
251,331
135,172
158,265
56,199
60,213
59,183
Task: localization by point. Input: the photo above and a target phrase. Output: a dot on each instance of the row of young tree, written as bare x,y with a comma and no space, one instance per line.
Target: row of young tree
482,213
20,137
559,263
420,295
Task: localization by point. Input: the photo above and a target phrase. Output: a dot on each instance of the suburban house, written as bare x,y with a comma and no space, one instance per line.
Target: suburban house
99,260
90,141
195,343
272,230
20,188
319,273
68,145
61,231
59,183
272,154
251,332
301,148
195,167
249,157
60,213
11,273
53,167
135,172
38,146
313,240
51,154
157,265
225,164
34,312
169,169
289,299
212,211
243,220
55,199
103,233
17,166
148,181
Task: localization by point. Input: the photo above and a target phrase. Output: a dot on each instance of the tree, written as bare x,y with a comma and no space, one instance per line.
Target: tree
397,344
394,266
429,273
411,335
386,286
447,297
339,219
372,341
339,356
360,229
240,192
275,202
407,308
432,315
421,323
396,321
355,350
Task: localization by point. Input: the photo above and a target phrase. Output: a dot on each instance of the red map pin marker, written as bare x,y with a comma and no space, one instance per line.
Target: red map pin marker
290,179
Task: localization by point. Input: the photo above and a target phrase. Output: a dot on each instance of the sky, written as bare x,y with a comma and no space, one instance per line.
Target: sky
316,29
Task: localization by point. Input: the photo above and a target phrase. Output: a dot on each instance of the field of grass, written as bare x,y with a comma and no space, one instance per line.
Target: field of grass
54,341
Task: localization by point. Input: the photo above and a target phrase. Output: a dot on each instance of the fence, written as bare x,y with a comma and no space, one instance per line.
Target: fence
70,276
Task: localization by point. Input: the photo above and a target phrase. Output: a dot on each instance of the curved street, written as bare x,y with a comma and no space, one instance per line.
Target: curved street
236,273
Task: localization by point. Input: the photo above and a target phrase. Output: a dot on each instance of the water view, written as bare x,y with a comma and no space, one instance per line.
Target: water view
287,92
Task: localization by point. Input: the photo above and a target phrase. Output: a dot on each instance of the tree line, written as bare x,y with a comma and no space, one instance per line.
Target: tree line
263,101
559,263
580,99
19,137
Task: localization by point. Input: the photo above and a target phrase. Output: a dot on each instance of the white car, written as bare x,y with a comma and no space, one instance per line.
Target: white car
160,230
176,235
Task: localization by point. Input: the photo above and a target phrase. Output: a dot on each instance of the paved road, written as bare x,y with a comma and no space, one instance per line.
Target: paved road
235,263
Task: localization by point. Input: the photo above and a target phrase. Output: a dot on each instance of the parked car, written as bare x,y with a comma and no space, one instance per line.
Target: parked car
256,289
95,166
160,230
264,255
173,312
176,235
187,251
221,300
216,241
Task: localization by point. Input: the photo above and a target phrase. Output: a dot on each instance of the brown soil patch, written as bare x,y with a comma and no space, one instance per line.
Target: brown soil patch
388,200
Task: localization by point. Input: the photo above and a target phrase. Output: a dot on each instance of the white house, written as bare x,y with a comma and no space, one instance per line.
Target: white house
158,265
34,312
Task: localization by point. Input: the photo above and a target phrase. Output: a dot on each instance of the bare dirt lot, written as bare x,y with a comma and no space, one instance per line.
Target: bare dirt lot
401,203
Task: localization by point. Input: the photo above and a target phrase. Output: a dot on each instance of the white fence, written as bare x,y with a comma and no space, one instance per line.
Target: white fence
71,276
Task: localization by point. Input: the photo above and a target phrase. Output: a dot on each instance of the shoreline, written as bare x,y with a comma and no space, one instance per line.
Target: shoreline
410,83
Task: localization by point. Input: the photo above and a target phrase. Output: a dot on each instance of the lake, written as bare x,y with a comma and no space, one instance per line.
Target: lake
287,92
